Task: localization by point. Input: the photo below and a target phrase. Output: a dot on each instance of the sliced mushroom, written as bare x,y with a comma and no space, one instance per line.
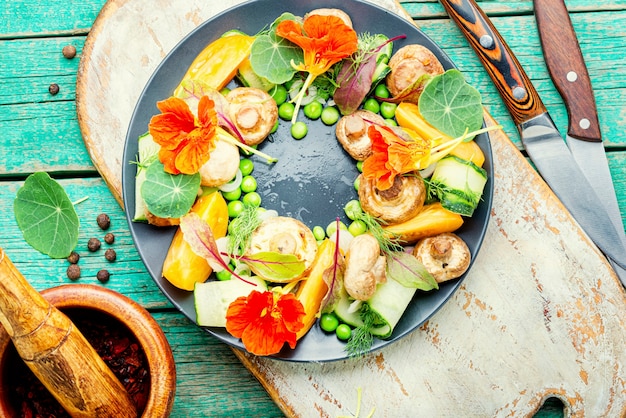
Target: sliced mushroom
365,267
351,133
331,12
400,202
222,165
254,113
408,64
286,236
445,256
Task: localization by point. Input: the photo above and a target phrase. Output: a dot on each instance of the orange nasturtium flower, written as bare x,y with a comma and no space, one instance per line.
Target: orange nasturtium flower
185,140
265,321
392,156
325,40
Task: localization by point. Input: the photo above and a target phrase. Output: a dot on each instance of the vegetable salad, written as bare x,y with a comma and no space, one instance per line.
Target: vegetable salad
269,278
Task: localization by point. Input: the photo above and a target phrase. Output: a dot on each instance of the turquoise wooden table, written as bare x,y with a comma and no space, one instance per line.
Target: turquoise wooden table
39,131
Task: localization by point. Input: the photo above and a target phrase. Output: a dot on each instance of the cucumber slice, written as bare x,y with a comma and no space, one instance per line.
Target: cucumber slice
459,184
147,152
389,302
249,78
211,299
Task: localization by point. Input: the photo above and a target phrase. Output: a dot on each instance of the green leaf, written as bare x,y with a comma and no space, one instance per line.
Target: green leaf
271,55
451,105
46,216
274,266
167,195
409,272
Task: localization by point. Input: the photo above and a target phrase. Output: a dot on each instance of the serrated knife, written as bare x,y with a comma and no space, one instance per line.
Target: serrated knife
568,71
540,137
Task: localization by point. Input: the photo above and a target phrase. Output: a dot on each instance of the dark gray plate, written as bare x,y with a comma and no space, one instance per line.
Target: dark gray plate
314,176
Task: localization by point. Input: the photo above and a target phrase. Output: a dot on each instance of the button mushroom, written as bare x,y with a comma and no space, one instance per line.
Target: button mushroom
286,236
365,267
331,12
400,202
351,133
222,165
445,256
254,113
408,64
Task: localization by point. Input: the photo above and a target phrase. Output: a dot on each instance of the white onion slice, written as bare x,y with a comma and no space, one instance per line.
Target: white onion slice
232,185
222,247
428,171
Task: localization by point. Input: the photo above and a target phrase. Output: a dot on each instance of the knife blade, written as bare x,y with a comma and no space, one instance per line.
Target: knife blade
540,137
567,68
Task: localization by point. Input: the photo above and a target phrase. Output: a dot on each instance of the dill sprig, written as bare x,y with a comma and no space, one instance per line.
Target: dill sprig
362,339
241,228
387,241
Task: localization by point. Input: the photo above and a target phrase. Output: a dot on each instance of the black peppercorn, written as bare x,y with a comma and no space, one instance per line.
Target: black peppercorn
104,222
73,272
110,254
73,257
69,51
93,244
103,276
53,88
109,238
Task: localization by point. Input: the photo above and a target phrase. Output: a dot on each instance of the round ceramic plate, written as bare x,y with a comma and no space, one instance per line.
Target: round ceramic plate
313,178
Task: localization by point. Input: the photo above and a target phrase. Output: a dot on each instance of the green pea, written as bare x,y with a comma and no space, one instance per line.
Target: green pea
388,110
357,227
223,275
246,166
299,130
235,207
372,105
247,153
356,183
359,166
252,199
279,93
248,184
313,110
332,228
224,91
234,195
319,233
343,332
285,110
353,209
330,115
391,122
381,90
329,322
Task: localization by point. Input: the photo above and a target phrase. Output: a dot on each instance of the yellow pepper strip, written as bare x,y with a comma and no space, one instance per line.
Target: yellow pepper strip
409,116
182,267
218,62
432,220
313,288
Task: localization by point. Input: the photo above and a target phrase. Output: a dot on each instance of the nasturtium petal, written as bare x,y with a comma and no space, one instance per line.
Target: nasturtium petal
451,105
46,216
168,195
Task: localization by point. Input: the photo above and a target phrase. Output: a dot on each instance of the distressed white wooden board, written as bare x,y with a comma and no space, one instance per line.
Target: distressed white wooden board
541,313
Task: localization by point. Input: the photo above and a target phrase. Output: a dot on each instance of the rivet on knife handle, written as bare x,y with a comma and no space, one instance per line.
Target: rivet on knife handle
567,67
520,97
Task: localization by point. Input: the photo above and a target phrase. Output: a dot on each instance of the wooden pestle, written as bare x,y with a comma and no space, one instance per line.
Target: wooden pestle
56,351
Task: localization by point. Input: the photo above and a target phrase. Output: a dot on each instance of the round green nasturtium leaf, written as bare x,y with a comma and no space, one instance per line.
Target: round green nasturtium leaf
167,195
46,216
451,105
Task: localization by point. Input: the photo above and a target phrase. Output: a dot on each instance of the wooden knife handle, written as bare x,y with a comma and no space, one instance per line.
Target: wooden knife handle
567,68
518,93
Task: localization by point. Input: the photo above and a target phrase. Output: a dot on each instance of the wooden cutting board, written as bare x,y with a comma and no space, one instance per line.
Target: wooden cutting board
541,313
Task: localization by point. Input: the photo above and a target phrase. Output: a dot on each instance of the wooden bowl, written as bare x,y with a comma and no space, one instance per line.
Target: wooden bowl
136,319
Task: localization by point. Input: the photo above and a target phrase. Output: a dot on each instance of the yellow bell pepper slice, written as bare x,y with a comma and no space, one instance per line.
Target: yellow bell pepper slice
182,267
218,62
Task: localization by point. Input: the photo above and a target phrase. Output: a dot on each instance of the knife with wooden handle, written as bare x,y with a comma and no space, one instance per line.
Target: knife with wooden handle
540,137
568,71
